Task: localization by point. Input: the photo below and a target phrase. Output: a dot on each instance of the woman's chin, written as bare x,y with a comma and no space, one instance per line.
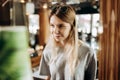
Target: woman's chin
57,40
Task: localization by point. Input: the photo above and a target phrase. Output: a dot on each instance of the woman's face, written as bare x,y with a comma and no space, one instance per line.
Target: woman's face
59,29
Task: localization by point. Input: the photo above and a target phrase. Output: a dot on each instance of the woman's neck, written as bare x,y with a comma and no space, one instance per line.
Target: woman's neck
64,44
60,44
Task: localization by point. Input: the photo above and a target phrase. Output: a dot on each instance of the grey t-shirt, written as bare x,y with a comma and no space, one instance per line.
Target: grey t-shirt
58,69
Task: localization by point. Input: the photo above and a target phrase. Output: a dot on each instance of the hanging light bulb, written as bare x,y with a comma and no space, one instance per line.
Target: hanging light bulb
22,1
45,6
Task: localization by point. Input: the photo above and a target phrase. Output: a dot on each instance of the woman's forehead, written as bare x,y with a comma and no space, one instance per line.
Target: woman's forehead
54,19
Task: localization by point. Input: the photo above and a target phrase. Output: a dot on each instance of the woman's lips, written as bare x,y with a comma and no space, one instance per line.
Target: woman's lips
57,36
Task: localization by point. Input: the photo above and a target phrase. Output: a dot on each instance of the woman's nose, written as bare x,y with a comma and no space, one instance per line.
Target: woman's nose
57,30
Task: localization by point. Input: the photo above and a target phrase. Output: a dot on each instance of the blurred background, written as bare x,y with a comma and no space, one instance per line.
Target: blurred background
97,23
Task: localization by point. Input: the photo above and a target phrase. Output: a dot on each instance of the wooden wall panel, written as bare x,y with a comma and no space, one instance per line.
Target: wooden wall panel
44,26
109,62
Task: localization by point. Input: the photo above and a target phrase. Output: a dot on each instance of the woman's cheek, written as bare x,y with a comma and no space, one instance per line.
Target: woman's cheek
51,30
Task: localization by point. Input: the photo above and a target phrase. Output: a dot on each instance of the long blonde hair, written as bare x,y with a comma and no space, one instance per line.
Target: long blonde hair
71,47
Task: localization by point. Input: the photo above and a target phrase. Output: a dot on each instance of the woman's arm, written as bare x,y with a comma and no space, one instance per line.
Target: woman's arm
44,67
90,73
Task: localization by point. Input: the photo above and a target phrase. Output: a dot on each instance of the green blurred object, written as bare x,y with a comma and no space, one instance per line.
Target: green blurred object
14,58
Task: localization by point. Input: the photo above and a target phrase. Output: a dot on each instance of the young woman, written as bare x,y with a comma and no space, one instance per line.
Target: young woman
65,57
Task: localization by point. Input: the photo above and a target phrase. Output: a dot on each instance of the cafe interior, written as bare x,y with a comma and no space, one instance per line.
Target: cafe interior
97,21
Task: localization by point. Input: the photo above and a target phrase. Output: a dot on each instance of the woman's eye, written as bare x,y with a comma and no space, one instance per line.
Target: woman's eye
52,26
61,26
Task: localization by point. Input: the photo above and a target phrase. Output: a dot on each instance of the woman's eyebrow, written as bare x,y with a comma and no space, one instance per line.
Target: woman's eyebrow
51,24
60,24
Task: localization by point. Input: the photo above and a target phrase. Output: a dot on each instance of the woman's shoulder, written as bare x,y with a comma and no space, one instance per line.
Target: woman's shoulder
47,51
84,45
84,49
46,55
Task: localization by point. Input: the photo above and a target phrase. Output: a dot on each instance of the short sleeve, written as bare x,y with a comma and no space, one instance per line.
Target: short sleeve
44,67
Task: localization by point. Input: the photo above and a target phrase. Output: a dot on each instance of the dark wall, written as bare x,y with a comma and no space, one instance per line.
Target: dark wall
19,15
4,14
